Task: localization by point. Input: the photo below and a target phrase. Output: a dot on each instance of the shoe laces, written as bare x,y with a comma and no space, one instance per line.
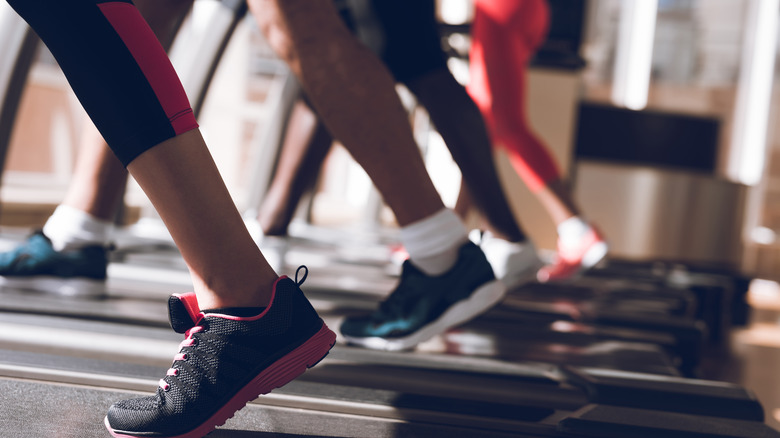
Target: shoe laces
189,341
305,274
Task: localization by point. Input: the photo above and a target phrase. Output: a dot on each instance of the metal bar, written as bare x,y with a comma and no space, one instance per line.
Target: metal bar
379,407
197,60
19,44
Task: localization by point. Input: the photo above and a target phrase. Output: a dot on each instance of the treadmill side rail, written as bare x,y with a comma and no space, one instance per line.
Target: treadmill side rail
666,393
620,422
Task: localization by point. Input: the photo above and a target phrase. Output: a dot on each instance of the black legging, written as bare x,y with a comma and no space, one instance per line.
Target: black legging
117,68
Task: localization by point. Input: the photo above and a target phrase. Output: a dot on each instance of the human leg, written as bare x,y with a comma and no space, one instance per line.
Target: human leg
458,120
178,175
460,124
128,87
355,97
413,54
99,178
69,256
306,144
497,82
505,34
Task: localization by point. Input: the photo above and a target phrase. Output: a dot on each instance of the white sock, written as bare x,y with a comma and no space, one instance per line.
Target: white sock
433,243
71,228
573,229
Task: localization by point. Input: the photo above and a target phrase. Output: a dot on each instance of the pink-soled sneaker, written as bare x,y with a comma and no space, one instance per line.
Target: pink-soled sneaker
224,362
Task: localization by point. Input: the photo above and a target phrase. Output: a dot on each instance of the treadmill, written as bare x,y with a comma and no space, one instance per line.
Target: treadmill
81,355
63,361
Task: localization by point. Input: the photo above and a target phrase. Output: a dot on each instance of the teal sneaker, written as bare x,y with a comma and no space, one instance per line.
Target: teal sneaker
422,306
36,265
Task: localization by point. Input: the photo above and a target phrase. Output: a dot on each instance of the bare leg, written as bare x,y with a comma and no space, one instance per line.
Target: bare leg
99,178
355,96
174,168
460,123
463,205
557,201
306,144
185,187
180,178
183,184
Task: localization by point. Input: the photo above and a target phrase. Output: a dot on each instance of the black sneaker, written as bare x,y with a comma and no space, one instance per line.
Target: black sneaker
36,265
223,363
422,306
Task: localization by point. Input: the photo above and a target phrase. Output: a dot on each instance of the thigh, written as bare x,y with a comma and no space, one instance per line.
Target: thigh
296,28
412,38
306,21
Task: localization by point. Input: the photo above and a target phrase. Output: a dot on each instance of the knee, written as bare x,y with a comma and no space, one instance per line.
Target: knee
512,132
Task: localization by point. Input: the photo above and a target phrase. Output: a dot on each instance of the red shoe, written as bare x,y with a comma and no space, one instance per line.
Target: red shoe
574,259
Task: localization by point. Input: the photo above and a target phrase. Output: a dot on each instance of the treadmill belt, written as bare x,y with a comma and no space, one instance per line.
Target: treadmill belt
72,411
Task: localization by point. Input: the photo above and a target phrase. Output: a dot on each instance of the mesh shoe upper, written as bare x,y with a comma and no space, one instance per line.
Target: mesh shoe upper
183,312
419,299
37,257
219,356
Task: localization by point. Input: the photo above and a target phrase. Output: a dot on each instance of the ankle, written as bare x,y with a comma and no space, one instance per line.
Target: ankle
71,228
434,243
235,292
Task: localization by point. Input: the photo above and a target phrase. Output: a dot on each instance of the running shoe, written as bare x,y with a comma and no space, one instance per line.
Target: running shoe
514,263
36,265
423,306
574,258
223,363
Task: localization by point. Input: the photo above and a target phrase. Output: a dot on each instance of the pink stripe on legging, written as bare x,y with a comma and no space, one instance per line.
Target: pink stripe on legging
153,61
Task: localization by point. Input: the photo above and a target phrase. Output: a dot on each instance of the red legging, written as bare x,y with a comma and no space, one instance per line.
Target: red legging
505,34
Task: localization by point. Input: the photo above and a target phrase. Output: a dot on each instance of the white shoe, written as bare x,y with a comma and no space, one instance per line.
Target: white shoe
515,264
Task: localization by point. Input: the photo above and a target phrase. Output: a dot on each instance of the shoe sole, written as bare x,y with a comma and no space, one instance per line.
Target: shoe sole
280,373
72,287
485,297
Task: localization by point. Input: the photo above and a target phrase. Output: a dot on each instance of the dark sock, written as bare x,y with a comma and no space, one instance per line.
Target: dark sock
241,312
